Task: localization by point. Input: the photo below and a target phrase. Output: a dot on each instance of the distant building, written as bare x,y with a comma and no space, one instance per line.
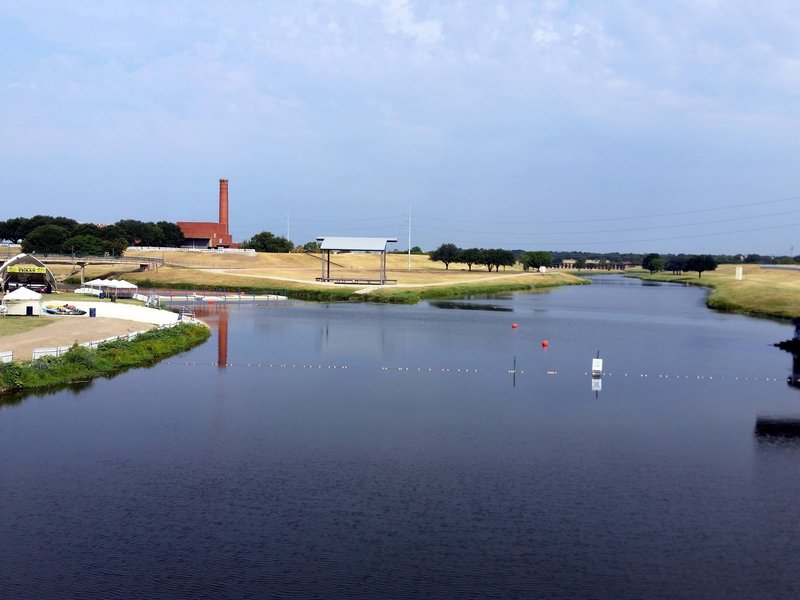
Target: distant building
210,235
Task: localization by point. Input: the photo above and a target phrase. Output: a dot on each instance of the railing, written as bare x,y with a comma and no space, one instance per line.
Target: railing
247,251
97,258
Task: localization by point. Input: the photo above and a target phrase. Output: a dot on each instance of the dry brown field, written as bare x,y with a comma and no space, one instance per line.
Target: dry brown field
303,269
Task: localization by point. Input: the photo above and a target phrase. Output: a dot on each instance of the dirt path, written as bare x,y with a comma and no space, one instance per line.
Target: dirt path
65,331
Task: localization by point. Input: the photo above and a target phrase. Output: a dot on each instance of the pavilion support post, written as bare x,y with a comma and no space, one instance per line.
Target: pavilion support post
322,261
329,264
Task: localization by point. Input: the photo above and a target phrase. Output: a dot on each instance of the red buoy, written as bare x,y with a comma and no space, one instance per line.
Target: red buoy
513,326
545,343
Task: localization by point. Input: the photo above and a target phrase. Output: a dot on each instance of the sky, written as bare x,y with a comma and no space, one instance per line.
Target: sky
616,126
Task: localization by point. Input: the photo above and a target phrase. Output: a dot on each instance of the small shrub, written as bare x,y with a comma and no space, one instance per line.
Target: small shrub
80,356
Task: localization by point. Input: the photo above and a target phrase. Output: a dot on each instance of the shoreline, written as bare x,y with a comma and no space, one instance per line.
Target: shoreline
113,319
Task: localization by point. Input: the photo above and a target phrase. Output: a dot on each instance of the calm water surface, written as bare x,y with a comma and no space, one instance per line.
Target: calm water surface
387,451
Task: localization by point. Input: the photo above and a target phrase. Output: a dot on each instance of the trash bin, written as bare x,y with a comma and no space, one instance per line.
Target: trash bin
102,295
92,312
28,311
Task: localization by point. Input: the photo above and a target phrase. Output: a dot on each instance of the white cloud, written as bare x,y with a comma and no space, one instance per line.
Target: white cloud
399,18
544,35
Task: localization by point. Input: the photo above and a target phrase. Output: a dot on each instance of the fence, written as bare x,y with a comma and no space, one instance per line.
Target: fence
61,350
209,250
97,258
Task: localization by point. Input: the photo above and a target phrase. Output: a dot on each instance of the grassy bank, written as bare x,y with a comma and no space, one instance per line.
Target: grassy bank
413,295
761,292
82,364
387,294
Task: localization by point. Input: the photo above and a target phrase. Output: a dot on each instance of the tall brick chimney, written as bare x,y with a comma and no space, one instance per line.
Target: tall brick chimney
223,204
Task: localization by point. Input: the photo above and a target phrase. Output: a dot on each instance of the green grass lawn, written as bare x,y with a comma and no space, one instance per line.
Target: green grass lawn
761,292
18,324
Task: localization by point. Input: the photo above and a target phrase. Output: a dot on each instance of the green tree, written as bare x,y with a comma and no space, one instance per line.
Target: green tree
416,250
172,234
140,233
700,263
647,261
676,264
657,264
45,239
14,229
494,258
580,263
268,242
312,247
504,258
84,244
469,257
446,253
534,260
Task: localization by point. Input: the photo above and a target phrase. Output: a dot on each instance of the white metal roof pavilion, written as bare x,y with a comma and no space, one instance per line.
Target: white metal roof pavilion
375,245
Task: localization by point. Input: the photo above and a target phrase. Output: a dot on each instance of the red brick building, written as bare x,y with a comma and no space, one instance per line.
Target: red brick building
210,235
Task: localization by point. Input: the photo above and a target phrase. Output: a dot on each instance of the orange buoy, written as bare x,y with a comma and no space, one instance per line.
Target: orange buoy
545,343
514,326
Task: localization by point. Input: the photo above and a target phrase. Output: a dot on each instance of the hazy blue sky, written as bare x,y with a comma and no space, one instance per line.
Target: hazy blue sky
609,126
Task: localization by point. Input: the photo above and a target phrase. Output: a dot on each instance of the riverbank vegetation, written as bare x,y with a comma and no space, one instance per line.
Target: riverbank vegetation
761,292
82,364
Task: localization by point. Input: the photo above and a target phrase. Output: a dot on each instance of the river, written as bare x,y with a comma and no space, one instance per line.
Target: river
427,451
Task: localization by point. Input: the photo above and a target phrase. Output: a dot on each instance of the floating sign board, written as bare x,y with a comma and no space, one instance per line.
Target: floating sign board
26,269
597,366
597,384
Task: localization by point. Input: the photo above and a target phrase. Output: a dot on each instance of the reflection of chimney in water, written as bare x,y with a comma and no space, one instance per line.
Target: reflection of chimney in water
222,339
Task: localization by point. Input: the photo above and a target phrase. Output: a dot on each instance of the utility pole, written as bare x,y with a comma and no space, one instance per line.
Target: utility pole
409,238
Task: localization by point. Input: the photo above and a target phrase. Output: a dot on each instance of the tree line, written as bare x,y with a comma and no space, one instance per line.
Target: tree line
492,258
654,263
56,235
449,253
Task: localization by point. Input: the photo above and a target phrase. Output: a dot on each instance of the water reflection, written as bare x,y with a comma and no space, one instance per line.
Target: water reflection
216,316
449,304
780,427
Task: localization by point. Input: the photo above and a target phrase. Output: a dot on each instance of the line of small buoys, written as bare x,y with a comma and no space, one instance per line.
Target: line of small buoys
688,377
551,373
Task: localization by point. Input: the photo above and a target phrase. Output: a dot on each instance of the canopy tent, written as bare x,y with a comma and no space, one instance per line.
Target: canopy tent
372,245
22,294
118,287
23,301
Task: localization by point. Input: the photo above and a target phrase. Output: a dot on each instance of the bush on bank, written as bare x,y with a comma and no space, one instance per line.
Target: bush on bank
81,363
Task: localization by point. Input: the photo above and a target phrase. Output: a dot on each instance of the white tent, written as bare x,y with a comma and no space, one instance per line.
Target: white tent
126,285
23,301
124,289
118,287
